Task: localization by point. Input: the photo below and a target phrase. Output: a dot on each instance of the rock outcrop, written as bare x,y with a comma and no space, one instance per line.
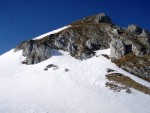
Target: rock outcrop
80,40
34,52
139,66
89,34
118,48
133,39
100,18
134,29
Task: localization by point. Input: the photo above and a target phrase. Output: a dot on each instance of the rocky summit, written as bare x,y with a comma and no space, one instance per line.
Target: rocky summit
129,47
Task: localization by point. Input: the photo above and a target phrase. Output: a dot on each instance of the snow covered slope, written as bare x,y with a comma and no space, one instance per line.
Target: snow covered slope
52,32
80,89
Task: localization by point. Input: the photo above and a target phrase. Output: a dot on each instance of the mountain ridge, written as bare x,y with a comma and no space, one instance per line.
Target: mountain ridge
83,37
72,71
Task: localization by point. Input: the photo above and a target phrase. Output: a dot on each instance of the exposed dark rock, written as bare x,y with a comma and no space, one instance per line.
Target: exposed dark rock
89,34
118,49
45,69
51,65
139,66
110,70
106,56
54,67
27,48
66,70
34,52
134,29
20,46
117,79
93,33
117,88
100,18
24,62
128,42
80,40
137,49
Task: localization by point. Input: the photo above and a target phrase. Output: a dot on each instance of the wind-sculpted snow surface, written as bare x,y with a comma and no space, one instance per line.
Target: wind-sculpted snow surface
80,89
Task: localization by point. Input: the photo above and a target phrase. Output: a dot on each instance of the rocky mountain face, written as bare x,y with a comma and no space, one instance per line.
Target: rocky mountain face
95,33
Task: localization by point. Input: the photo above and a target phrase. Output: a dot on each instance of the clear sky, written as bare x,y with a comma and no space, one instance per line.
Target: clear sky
25,19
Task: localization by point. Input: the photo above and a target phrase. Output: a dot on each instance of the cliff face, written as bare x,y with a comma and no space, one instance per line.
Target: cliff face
131,51
80,40
133,39
92,33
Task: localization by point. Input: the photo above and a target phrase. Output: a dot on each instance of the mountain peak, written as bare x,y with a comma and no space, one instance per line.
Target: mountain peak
99,18
83,37
89,66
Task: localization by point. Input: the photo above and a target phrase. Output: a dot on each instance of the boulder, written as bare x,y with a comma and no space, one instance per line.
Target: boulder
100,18
134,29
27,48
35,53
117,48
93,44
137,49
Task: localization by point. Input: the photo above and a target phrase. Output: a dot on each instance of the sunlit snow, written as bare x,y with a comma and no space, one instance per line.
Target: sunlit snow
30,89
52,32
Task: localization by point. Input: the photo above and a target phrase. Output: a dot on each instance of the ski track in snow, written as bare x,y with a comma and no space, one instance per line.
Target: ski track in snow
30,89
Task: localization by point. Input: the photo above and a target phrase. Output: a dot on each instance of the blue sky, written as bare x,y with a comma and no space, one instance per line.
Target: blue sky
24,19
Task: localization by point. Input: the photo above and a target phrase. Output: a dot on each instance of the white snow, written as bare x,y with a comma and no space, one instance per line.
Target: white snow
52,32
30,89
